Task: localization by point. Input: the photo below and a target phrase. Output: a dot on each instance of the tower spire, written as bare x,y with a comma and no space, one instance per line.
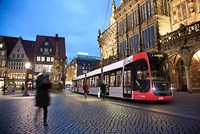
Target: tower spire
56,57
112,19
113,6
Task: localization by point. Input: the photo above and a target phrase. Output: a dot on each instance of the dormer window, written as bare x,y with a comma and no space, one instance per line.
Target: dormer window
45,49
46,43
41,49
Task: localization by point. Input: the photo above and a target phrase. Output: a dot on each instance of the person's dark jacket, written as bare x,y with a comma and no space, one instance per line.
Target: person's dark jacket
4,88
103,88
43,85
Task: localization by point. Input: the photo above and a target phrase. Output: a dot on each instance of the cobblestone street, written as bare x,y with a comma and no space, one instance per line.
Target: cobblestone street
71,113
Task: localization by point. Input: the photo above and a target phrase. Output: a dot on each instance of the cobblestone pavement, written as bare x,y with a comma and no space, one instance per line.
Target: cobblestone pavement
71,113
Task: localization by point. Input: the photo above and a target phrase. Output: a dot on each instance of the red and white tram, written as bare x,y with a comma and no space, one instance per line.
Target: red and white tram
142,76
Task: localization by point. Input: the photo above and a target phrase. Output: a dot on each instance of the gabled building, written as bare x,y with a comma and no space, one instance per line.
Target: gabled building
3,61
41,54
45,51
18,53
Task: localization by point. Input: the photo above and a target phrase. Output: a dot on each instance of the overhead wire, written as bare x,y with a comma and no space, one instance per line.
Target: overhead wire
106,14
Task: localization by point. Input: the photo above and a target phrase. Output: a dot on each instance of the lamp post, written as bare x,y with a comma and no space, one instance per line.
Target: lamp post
27,66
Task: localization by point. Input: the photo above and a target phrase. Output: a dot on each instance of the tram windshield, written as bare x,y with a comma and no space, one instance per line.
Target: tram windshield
160,74
159,66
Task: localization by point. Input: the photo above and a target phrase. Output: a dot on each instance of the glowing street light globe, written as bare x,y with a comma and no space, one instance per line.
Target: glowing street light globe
27,65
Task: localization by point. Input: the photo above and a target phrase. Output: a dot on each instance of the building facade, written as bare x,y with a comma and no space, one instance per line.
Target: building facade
16,52
3,62
81,64
145,25
45,55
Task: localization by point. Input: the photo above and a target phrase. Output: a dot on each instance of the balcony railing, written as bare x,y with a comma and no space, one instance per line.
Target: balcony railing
181,33
109,60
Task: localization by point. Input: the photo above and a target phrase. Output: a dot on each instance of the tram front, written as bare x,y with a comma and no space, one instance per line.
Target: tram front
160,76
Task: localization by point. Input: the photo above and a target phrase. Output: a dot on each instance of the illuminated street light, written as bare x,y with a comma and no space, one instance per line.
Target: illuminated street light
27,66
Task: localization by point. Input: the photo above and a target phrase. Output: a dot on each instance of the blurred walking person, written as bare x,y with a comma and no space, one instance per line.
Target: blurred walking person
85,89
22,88
103,90
43,86
4,90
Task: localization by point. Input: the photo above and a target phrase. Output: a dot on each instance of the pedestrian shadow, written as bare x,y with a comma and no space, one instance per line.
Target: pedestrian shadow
38,127
46,130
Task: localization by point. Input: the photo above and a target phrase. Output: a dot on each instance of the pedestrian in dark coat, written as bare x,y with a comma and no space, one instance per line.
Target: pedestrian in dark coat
4,90
103,90
43,85
22,88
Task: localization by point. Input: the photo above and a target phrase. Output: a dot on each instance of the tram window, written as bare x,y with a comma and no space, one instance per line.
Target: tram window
96,81
139,75
127,78
112,79
141,80
118,78
107,79
88,81
92,82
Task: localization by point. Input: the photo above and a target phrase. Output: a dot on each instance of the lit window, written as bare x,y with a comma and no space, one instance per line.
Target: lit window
2,53
38,58
1,45
52,59
50,50
46,43
41,49
45,49
3,63
42,58
48,59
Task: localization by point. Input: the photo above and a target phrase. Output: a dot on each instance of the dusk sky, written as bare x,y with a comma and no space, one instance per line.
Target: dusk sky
76,20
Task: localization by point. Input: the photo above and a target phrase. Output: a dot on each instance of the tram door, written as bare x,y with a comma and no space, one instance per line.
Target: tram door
127,90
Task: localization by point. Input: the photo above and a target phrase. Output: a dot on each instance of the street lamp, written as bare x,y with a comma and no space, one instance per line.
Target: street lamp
27,66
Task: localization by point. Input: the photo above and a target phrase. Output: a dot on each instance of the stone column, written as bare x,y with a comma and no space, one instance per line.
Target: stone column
188,78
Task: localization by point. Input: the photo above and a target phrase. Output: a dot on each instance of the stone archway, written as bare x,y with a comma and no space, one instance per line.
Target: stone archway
177,72
195,70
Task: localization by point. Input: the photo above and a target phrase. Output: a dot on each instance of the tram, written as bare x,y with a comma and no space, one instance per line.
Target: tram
142,76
